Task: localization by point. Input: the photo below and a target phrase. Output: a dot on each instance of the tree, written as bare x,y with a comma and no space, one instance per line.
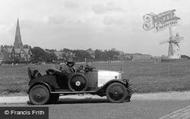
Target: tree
112,54
40,55
185,57
100,55
81,55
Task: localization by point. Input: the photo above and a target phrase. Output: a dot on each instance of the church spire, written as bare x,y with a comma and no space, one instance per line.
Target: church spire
18,41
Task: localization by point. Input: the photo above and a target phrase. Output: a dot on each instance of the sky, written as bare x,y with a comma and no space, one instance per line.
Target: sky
96,24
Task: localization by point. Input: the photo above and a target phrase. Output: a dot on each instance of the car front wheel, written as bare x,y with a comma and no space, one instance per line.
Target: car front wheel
116,92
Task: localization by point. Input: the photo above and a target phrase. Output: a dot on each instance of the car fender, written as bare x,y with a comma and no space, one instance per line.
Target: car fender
113,81
41,83
46,79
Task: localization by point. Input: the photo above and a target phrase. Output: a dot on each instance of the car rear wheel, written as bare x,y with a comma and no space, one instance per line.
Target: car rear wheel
39,95
116,92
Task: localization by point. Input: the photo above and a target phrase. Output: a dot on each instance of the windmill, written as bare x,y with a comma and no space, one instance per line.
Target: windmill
174,48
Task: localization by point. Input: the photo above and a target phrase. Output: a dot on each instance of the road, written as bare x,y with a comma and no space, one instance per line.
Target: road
99,109
141,107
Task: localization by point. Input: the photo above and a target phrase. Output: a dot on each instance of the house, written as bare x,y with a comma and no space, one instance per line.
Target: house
141,57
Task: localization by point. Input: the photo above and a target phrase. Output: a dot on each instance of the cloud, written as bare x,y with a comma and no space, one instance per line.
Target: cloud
111,20
56,20
104,8
90,23
70,4
5,28
67,34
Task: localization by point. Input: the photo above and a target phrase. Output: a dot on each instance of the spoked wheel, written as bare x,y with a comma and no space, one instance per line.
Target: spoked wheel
116,92
77,83
39,95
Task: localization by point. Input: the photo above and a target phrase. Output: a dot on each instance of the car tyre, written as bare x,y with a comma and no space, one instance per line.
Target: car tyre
116,92
39,95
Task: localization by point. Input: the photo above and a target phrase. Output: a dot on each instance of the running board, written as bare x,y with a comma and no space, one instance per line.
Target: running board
73,92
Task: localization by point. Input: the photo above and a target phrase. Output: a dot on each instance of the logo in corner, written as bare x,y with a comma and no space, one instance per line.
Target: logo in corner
160,21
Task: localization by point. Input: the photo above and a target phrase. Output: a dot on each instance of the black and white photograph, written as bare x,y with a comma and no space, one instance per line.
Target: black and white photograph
94,59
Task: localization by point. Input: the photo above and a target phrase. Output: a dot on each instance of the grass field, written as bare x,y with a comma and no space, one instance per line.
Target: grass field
144,76
14,79
154,77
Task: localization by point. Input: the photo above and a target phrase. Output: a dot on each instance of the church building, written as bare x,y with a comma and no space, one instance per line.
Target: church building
18,53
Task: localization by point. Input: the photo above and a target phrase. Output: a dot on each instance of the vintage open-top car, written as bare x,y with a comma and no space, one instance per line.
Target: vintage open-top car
47,88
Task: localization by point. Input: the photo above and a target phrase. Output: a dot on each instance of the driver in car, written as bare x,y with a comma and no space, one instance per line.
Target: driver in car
68,67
